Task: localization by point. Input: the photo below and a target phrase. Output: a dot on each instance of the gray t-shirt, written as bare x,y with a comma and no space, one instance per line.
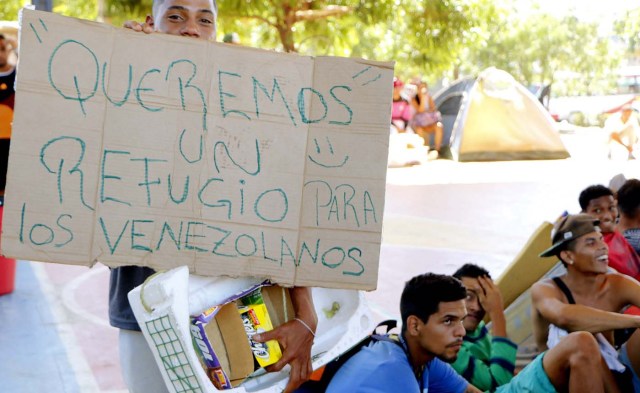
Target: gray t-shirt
633,238
122,280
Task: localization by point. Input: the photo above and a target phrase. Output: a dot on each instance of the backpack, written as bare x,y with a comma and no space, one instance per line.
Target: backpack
321,377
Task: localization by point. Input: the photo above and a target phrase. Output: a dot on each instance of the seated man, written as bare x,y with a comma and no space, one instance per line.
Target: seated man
629,206
587,298
599,202
484,360
433,308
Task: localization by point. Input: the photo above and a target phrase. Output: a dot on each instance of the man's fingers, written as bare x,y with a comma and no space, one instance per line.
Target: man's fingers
486,283
298,375
279,365
133,25
489,281
483,285
307,371
294,379
294,383
273,368
140,27
266,336
482,298
296,341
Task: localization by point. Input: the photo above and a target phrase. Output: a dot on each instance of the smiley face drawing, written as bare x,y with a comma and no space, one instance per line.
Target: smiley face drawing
326,157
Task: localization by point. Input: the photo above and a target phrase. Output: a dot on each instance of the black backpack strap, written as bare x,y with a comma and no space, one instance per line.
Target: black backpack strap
388,325
565,289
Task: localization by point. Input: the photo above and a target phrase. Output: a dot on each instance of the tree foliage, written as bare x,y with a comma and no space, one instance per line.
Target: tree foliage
628,28
115,12
84,9
9,9
544,49
423,37
432,39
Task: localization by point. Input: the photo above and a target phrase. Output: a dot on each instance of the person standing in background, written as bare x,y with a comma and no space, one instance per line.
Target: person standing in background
7,97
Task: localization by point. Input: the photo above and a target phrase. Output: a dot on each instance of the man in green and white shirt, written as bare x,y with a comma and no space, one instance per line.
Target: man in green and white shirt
486,360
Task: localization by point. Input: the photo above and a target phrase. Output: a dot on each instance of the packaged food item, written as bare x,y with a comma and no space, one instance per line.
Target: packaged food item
255,318
211,362
222,334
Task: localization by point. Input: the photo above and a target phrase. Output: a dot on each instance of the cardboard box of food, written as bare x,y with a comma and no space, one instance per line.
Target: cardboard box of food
221,340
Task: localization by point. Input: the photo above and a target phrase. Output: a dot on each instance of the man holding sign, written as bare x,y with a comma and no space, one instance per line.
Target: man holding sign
197,19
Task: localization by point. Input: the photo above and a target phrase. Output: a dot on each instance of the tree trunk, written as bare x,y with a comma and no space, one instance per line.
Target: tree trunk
101,9
456,72
286,37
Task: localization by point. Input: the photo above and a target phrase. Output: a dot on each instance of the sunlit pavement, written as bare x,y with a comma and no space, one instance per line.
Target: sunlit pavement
54,334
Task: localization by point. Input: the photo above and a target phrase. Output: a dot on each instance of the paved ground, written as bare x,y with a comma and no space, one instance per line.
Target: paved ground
54,334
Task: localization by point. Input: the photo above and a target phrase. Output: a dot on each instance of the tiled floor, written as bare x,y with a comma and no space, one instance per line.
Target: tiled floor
54,334
34,357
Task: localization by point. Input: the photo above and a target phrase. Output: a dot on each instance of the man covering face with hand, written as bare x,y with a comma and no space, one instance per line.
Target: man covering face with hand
487,360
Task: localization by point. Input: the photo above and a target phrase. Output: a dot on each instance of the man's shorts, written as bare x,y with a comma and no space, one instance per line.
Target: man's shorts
623,356
532,379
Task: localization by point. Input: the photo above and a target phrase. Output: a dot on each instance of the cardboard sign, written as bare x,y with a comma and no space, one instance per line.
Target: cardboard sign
161,151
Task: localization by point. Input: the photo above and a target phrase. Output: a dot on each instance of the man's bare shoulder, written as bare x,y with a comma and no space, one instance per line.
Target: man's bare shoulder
545,285
614,275
545,290
616,280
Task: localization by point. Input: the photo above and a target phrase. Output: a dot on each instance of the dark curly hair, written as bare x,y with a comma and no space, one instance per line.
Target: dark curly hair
423,294
471,270
592,192
629,198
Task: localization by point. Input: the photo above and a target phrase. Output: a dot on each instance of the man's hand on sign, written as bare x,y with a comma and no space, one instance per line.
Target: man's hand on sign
295,338
136,26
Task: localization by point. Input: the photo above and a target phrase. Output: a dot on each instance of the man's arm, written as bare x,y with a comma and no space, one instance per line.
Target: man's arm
576,317
296,338
626,288
137,26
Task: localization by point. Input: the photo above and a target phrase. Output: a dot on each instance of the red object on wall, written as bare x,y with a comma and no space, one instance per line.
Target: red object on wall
7,268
